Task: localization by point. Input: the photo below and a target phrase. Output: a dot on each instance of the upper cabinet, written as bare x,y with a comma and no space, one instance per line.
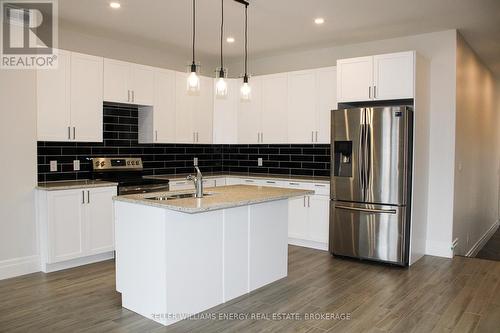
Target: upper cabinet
311,97
126,82
380,77
69,99
250,115
225,122
274,108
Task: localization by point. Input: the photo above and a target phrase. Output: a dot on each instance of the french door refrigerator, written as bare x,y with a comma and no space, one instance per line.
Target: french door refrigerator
371,183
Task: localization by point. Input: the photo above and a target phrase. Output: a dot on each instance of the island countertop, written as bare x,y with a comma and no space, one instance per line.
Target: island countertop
218,198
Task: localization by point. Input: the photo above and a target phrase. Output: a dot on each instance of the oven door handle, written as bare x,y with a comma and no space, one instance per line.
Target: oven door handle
147,188
368,210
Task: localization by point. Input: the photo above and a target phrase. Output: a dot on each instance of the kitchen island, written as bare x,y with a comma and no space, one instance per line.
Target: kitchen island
177,255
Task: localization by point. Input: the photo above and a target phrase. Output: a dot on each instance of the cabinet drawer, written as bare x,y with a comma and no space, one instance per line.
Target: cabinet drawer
321,189
179,185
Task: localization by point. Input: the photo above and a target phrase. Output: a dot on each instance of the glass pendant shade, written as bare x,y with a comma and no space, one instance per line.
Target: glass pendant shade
221,83
193,80
245,90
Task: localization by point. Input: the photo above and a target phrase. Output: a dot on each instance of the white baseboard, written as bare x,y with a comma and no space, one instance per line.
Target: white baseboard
439,249
47,268
483,240
19,266
307,243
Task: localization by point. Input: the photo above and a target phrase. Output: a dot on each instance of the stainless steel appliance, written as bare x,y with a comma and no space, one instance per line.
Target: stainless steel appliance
371,183
128,173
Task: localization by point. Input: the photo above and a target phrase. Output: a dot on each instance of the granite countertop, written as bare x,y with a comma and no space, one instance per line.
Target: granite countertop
208,175
73,184
221,197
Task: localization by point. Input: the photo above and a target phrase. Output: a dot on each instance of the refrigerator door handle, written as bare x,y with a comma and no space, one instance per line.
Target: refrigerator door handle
361,154
368,210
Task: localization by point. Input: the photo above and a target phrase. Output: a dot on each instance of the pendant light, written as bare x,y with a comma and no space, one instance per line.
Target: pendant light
246,90
221,72
193,80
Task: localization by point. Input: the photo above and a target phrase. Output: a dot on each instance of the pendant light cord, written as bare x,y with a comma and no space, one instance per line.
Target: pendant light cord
194,26
221,35
246,38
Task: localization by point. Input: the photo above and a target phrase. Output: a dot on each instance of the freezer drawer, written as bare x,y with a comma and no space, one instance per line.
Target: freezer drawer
374,232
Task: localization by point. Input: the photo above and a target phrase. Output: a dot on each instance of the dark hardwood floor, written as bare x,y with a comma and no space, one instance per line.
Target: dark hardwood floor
434,295
491,249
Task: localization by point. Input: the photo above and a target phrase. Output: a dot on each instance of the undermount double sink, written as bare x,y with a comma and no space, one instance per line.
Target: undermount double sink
177,196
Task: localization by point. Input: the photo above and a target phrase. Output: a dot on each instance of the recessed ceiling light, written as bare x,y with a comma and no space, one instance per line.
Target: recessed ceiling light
319,20
230,39
114,5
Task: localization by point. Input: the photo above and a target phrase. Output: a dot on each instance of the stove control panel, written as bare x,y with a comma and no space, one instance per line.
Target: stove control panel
116,163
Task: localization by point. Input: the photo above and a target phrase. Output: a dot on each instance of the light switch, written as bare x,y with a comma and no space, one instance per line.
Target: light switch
195,161
76,165
53,166
259,161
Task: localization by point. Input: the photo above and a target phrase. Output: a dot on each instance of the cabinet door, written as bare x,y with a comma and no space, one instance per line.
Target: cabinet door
142,84
297,218
116,81
164,107
184,105
99,220
393,75
326,101
274,108
301,116
86,97
318,221
203,111
53,101
65,225
354,79
225,119
250,114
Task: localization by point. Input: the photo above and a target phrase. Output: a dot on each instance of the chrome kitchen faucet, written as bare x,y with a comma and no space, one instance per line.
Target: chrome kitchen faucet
198,182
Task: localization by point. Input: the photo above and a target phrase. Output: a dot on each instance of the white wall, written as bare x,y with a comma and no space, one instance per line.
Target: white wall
440,50
74,39
18,250
476,150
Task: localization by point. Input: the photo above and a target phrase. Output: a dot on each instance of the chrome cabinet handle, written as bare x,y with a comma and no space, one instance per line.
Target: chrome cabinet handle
370,92
304,201
374,91
270,182
295,184
262,137
316,136
308,201
367,210
74,132
312,136
258,137
83,197
69,133
88,197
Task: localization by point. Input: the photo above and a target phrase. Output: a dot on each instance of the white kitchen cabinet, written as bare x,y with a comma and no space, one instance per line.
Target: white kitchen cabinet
126,82
326,101
225,120
274,108
318,220
65,225
297,217
53,100
354,79
179,185
302,91
311,97
250,114
380,77
193,112
75,224
393,76
157,122
69,99
86,97
99,220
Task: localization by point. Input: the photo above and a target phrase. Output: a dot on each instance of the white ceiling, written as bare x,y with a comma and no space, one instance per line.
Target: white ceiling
277,26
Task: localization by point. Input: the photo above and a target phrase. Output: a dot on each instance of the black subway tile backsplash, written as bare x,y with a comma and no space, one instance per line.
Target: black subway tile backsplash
121,139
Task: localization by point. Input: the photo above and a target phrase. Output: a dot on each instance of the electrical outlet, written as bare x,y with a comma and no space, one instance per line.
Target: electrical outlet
76,165
53,166
259,161
195,161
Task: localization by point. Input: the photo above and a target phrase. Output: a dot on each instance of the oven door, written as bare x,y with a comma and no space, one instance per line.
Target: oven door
135,189
375,232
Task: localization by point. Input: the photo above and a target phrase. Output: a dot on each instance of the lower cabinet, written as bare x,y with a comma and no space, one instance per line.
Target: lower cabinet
75,224
308,221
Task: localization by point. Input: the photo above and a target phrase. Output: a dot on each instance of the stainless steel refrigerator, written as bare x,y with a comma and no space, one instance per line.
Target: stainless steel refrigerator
371,183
